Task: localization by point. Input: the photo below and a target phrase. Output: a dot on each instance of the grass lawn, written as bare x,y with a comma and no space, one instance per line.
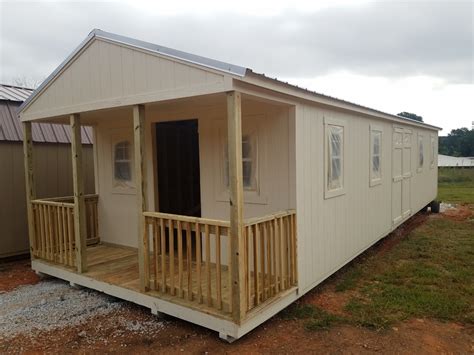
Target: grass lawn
428,274
456,185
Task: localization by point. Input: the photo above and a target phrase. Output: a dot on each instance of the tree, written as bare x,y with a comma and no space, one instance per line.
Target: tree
411,115
458,143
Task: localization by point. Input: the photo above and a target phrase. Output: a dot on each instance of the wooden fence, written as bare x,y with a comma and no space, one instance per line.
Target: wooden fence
53,220
189,258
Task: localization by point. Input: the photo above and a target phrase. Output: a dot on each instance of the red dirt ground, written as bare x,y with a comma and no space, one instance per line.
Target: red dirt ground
105,334
16,273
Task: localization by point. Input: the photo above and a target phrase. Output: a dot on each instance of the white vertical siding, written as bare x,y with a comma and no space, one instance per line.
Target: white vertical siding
333,231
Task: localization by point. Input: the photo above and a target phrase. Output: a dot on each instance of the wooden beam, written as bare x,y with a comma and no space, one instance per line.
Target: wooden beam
30,182
78,187
234,137
140,181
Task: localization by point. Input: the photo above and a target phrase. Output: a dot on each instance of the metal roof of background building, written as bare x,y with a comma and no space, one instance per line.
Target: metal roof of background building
14,93
11,129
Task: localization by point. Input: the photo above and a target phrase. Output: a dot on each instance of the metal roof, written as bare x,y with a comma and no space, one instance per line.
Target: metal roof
14,93
11,129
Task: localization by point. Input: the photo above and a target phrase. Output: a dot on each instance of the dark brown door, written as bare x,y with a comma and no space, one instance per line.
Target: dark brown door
177,145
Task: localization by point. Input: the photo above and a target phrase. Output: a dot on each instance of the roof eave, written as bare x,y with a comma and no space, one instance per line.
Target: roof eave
337,102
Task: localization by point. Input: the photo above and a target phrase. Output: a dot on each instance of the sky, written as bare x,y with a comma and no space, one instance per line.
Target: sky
394,56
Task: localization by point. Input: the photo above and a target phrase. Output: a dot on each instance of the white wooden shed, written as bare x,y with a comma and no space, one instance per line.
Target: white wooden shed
223,195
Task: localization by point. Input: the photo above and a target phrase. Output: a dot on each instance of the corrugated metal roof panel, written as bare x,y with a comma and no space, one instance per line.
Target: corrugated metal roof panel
59,133
11,129
14,93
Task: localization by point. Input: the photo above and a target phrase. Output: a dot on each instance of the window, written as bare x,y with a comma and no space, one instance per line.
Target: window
433,152
122,162
421,157
375,156
335,157
334,175
249,162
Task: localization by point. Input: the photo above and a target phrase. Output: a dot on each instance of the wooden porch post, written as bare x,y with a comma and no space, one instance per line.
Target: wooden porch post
78,187
30,182
140,178
234,137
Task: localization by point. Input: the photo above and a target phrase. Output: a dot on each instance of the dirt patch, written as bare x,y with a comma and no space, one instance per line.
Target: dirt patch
16,273
108,333
331,301
460,213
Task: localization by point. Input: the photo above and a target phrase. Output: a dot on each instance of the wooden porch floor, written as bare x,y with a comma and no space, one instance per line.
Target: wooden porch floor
118,266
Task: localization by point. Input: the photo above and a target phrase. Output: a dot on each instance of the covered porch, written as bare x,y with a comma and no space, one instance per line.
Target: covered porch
230,267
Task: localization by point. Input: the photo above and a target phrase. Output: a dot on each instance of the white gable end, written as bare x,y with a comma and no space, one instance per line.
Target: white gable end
105,74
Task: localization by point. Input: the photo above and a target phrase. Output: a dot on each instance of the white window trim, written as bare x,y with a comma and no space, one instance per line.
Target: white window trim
122,187
374,181
250,124
419,168
329,121
433,151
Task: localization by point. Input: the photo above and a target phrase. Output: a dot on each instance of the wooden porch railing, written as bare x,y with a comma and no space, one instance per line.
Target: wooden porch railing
53,221
270,258
189,258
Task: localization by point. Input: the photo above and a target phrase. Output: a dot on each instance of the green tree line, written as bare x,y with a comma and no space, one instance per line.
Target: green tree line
458,143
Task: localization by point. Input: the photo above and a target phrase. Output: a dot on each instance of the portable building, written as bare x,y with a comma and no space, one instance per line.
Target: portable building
53,167
223,195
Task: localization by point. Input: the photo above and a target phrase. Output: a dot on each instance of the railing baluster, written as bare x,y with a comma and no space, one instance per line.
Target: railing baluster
156,251
255,264
229,270
282,250
198,262
171,244
288,252
60,233
189,265
69,235
63,217
163,254
218,267
208,265
180,259
248,278
277,257
51,236
267,258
